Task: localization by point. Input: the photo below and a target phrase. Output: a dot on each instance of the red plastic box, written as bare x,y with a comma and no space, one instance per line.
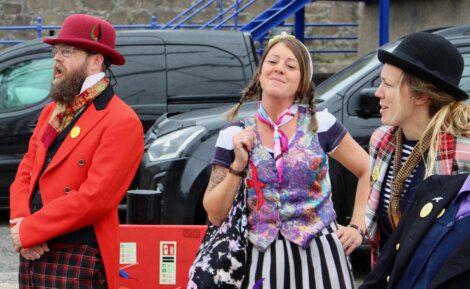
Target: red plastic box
157,256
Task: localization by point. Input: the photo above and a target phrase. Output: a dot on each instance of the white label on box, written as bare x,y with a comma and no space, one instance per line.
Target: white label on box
167,262
128,253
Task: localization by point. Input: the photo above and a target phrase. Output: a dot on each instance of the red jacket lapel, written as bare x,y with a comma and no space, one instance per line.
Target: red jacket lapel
85,124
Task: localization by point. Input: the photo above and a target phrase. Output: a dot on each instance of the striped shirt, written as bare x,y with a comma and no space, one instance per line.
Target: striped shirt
407,191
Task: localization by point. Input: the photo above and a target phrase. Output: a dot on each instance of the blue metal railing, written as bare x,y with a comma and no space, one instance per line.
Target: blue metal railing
39,28
234,15
191,15
220,21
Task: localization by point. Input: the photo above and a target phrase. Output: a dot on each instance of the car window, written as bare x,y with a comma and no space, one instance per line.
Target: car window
197,70
368,85
465,80
342,80
141,80
25,83
376,82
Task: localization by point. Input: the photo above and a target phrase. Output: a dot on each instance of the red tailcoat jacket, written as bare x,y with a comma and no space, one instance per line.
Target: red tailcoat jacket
85,181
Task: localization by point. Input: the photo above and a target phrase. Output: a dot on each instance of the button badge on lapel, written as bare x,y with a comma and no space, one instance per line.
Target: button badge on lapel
375,174
441,213
75,132
425,210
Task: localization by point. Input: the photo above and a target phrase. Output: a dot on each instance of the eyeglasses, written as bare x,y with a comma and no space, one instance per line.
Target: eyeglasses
65,51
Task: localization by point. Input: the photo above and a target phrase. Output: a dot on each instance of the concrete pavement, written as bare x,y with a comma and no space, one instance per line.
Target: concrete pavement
9,258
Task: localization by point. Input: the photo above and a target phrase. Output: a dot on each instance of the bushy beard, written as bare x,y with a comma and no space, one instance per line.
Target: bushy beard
65,90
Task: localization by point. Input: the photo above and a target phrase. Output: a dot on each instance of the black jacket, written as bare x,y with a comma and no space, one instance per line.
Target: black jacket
401,245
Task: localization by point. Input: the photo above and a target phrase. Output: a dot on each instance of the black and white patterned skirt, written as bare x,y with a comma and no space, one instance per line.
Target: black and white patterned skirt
286,265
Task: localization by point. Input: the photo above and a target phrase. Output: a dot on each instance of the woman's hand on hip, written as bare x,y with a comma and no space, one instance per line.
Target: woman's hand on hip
350,238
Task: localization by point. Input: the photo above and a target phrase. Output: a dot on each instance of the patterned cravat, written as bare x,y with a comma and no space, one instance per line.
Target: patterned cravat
281,143
63,114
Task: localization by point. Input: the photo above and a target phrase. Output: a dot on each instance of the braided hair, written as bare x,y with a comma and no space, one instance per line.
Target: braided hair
448,115
305,93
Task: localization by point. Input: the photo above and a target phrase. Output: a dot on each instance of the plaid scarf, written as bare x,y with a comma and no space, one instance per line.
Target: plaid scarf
64,113
281,142
452,158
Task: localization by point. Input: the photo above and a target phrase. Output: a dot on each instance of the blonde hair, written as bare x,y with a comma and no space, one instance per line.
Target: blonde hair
447,116
305,92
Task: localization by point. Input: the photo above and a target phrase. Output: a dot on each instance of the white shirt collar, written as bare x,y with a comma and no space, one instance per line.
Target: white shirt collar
91,80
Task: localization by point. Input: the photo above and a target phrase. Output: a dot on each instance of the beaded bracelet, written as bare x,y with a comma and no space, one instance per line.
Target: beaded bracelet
358,229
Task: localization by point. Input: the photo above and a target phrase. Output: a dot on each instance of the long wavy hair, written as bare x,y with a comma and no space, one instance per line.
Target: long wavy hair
447,116
305,91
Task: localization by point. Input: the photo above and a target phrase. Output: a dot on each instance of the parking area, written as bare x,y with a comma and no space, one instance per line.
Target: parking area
9,259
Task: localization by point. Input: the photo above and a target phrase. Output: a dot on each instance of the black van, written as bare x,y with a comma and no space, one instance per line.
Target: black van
179,148
166,71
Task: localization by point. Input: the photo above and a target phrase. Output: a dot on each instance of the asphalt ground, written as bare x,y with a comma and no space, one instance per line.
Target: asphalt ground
9,259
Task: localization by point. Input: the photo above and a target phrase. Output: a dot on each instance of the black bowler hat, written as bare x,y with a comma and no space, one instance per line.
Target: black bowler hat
430,57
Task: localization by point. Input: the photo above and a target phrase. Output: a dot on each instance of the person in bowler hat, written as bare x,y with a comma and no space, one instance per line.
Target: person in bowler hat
430,247
64,199
426,128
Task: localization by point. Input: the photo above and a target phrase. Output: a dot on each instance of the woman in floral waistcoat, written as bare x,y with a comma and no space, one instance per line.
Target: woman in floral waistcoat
426,128
294,241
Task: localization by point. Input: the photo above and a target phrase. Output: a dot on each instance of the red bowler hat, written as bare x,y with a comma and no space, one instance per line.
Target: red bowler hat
91,33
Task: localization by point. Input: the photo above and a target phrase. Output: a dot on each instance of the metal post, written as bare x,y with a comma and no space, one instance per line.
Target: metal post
235,21
153,23
384,21
221,10
299,25
39,27
144,206
261,46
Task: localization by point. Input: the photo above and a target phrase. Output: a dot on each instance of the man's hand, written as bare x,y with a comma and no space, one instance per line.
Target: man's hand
15,233
34,252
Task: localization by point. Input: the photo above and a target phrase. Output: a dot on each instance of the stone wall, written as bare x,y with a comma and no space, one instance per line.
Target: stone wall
410,16
332,12
53,12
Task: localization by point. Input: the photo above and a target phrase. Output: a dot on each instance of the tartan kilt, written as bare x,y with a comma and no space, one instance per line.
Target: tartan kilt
67,267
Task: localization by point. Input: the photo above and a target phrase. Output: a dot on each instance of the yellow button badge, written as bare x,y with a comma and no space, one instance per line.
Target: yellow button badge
375,174
441,213
75,132
425,210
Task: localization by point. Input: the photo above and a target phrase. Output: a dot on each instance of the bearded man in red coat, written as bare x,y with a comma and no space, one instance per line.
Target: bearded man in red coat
81,159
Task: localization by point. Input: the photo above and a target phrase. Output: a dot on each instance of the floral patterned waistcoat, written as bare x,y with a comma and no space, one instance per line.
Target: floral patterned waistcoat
301,206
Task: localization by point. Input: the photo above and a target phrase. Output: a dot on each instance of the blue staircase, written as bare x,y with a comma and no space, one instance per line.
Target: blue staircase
258,27
272,17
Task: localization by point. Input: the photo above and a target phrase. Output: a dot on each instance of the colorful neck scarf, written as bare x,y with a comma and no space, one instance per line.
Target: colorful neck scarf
281,142
64,113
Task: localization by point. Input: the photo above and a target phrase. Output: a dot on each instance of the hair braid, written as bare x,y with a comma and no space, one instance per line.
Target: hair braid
312,107
250,91
447,116
453,118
